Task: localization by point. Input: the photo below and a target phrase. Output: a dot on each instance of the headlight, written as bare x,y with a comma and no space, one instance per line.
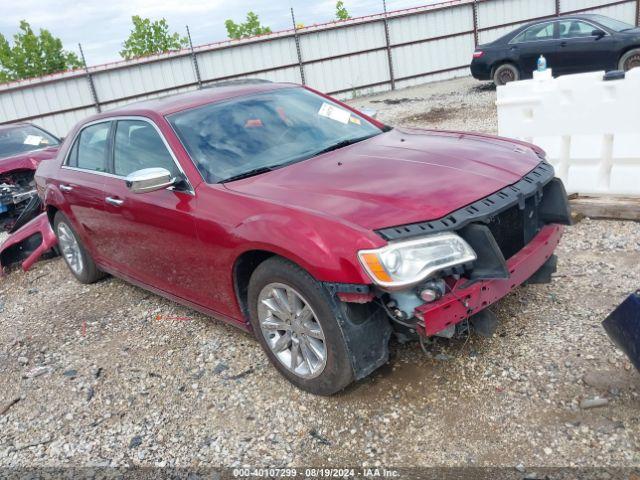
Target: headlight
404,264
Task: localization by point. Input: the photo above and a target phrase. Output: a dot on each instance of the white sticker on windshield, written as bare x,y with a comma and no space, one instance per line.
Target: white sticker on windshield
334,113
32,140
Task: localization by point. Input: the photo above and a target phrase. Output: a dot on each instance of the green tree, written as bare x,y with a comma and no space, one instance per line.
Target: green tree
149,37
341,11
249,28
33,55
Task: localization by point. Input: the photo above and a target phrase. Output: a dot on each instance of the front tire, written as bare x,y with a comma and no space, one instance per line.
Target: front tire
505,73
629,60
294,322
75,255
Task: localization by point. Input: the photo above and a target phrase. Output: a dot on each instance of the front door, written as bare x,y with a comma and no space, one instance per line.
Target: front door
581,51
150,237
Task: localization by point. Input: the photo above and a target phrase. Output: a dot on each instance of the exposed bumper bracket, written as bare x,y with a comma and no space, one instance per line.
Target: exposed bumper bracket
464,301
28,243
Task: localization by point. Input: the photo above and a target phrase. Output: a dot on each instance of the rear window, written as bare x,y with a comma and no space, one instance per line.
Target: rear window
612,23
543,31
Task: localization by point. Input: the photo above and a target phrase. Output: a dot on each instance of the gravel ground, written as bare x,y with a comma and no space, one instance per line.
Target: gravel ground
109,374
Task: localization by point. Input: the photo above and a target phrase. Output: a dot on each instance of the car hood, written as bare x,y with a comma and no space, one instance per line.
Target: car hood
27,160
399,177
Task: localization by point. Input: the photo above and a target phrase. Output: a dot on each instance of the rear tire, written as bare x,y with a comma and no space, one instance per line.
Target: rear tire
276,316
75,255
629,60
505,73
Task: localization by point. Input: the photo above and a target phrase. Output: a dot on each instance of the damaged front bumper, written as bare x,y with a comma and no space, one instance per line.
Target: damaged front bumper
27,244
465,300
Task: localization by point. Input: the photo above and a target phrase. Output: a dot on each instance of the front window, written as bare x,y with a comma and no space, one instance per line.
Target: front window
137,146
575,29
24,138
257,133
612,24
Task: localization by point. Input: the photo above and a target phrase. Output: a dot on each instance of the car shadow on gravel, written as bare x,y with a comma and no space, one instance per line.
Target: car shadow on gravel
484,87
411,370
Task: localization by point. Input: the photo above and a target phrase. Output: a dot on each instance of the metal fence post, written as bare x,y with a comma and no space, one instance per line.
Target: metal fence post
92,87
387,37
475,23
194,59
298,50
638,13
558,8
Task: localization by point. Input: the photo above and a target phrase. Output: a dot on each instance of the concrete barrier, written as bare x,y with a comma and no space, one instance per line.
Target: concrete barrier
589,127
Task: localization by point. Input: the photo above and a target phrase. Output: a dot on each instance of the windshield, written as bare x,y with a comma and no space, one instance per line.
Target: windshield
24,138
256,133
612,24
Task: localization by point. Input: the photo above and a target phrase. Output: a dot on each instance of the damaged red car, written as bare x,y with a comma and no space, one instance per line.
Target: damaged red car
292,215
22,147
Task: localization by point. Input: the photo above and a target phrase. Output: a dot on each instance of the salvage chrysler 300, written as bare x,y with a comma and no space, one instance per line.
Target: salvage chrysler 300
292,215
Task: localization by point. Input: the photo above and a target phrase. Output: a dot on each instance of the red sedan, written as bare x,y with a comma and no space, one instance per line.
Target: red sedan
290,214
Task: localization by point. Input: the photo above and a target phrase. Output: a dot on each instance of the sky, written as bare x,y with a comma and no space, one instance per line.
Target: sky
102,25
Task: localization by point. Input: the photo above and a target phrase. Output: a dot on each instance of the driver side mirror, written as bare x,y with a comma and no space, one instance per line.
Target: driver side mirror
149,180
598,33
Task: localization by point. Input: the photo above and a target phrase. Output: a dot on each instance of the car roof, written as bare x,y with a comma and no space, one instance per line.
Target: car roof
578,16
169,104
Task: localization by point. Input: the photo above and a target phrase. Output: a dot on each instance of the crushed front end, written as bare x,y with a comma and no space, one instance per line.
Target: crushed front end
17,189
433,275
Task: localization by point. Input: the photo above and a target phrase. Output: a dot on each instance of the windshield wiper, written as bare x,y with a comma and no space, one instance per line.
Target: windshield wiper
342,144
247,174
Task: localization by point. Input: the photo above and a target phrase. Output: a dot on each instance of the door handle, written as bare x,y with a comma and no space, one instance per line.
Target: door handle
563,44
116,202
65,188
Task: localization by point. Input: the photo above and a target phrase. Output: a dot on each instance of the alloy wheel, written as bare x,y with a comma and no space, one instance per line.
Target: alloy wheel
291,330
70,248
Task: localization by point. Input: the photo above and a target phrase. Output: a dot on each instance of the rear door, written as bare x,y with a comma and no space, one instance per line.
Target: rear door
581,51
81,178
539,39
150,237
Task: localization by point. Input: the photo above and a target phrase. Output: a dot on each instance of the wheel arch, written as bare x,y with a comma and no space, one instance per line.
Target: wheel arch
51,213
243,267
626,50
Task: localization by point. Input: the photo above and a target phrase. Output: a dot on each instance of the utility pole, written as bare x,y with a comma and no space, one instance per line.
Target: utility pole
388,42
299,52
194,59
